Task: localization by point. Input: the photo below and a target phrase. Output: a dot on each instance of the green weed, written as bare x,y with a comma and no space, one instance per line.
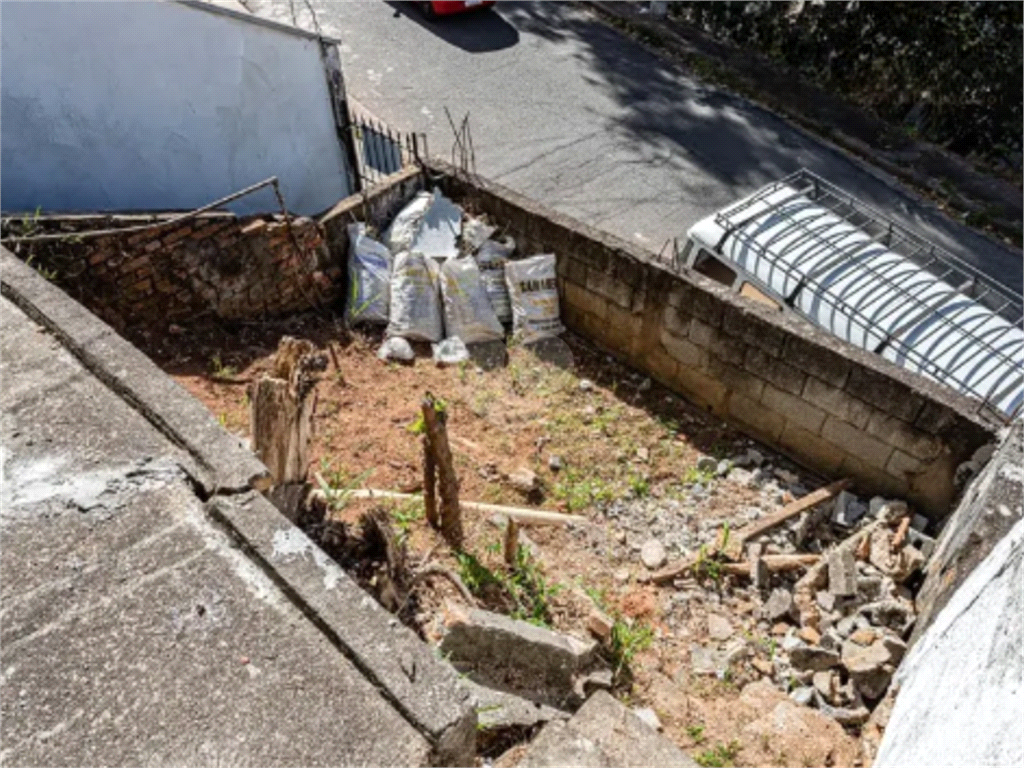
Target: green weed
720,755
695,732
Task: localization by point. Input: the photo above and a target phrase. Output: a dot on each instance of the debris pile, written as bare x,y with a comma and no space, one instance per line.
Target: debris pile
436,276
829,581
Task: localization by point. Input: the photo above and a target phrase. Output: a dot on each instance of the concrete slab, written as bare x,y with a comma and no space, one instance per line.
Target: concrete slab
133,628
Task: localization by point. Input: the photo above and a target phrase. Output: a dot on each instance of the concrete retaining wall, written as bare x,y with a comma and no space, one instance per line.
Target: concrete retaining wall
830,406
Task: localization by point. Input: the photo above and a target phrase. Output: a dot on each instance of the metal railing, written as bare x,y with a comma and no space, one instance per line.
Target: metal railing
382,151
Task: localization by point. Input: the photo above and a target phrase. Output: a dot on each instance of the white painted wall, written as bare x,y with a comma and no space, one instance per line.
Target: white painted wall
160,106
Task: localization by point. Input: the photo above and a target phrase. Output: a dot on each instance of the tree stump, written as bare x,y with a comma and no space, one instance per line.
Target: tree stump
448,483
281,410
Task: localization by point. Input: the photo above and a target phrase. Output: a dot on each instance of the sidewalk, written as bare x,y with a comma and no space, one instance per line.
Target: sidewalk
135,630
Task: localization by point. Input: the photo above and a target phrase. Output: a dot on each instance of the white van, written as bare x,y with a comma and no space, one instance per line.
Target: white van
804,246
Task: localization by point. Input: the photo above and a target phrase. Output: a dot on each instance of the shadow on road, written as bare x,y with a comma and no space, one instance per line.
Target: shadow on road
476,31
674,119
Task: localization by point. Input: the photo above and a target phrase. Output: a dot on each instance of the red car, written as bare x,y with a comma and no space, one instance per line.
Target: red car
434,9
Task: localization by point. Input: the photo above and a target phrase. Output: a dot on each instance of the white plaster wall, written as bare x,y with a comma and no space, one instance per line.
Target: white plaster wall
159,106
961,700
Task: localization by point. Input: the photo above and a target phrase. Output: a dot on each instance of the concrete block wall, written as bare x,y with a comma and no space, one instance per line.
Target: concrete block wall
830,406
232,267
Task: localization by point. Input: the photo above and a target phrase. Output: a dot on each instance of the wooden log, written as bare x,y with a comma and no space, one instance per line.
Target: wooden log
281,410
734,548
448,482
430,484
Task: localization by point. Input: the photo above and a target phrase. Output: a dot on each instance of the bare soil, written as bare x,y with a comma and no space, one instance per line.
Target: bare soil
624,444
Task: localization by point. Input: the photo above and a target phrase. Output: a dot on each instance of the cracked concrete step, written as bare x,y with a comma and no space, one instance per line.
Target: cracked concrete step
603,733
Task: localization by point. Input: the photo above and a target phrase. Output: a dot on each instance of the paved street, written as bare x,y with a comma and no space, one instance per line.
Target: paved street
568,111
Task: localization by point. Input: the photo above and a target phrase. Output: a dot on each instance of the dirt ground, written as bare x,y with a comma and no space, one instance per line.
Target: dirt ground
625,456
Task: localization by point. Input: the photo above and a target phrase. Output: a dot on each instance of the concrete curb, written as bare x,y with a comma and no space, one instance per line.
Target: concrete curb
223,464
601,10
422,687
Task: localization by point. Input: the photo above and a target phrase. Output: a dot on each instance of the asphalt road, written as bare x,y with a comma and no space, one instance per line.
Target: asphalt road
566,110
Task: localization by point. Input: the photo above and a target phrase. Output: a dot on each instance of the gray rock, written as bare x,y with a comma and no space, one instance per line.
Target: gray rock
586,385
719,627
826,683
831,639
870,587
755,457
896,647
779,605
875,505
554,463
649,717
524,479
621,575
889,613
790,641
814,658
789,478
643,454
924,543
803,696
644,385
847,509
722,468
707,464
652,554
826,600
848,716
842,573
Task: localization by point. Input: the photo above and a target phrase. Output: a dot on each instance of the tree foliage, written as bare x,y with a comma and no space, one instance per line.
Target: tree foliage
950,70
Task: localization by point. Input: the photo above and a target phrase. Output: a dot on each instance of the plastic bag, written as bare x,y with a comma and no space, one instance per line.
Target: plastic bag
415,303
406,224
467,310
438,233
491,258
451,351
533,290
369,277
396,348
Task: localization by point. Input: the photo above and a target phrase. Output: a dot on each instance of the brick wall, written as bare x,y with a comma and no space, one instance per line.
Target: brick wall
232,267
829,405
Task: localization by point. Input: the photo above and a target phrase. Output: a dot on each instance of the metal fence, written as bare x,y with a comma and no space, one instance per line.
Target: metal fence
382,151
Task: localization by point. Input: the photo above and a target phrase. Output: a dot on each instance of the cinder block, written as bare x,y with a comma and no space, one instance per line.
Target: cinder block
585,301
794,409
661,366
606,285
683,351
904,466
856,442
752,415
812,358
701,389
676,321
901,435
886,394
622,329
735,379
783,376
819,454
753,330
837,402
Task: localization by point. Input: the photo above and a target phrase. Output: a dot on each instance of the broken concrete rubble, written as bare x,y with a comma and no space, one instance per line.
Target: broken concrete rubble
530,661
603,733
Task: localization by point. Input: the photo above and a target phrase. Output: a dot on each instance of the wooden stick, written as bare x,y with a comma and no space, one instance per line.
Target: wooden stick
734,549
901,534
430,484
448,483
511,541
522,515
